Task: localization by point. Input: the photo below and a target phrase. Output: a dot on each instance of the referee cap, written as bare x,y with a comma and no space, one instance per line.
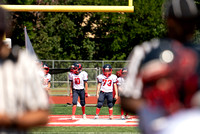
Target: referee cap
181,9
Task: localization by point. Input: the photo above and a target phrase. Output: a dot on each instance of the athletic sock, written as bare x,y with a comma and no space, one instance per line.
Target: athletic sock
73,109
122,111
110,111
97,111
83,109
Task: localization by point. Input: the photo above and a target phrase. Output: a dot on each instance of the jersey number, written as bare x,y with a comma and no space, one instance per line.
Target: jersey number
77,81
109,82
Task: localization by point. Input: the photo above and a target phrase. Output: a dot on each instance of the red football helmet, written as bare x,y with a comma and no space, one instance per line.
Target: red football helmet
77,68
107,70
119,73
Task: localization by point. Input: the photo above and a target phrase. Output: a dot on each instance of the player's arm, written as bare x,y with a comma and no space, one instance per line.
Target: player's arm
32,119
86,83
98,89
116,90
71,87
86,88
49,85
131,105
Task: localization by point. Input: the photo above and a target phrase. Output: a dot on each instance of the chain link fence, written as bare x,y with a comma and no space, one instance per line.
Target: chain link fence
60,84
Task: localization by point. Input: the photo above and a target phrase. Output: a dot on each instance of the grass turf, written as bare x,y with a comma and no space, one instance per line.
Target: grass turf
87,130
64,109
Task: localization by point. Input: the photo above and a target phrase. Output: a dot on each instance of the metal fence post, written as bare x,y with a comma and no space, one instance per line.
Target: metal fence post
53,66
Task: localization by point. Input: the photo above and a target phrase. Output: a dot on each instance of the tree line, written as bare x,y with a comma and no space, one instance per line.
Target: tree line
87,35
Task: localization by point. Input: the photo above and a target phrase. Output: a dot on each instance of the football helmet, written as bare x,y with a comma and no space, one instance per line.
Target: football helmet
46,68
72,68
124,72
77,68
107,70
119,73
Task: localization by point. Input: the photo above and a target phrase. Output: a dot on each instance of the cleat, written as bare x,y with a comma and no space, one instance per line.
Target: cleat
127,116
73,117
111,117
122,117
96,116
84,116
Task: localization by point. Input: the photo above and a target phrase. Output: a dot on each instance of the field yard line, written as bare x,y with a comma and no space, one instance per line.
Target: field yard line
65,120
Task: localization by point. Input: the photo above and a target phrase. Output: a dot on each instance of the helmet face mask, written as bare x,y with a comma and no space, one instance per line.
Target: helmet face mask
72,69
107,70
77,68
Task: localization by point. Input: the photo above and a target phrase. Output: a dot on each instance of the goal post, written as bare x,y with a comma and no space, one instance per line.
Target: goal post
69,8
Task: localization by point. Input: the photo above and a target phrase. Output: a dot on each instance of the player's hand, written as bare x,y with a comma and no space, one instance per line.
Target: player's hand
71,95
116,96
97,96
86,94
47,89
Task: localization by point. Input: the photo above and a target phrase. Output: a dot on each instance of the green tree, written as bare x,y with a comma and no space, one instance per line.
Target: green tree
91,36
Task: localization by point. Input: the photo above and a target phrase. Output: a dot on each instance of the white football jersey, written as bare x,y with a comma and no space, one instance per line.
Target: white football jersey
78,79
120,80
107,83
47,79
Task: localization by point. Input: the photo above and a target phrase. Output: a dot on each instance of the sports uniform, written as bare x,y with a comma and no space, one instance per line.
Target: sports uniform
120,81
46,78
70,77
78,82
23,101
106,84
21,89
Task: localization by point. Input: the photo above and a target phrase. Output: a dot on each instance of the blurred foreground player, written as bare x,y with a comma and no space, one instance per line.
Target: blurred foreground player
79,80
106,83
23,101
163,75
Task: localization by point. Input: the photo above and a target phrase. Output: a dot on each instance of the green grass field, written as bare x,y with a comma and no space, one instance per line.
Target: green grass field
62,109
65,91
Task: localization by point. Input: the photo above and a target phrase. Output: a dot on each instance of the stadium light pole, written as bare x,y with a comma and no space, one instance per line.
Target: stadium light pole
69,8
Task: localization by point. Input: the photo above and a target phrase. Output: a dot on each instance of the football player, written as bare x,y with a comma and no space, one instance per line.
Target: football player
47,78
69,76
78,82
106,83
118,74
120,80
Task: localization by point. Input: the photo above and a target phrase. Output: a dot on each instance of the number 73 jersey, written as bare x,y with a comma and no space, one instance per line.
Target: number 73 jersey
106,83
